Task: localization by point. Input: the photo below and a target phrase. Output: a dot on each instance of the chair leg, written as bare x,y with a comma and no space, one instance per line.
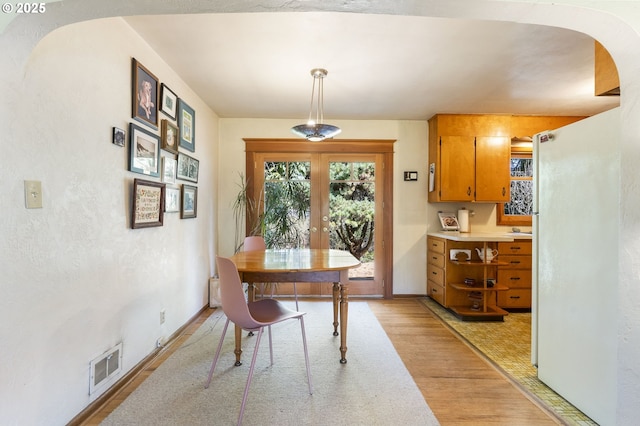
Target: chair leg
306,355
270,346
215,358
246,388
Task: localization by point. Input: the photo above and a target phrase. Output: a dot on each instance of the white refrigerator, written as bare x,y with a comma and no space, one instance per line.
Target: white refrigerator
575,262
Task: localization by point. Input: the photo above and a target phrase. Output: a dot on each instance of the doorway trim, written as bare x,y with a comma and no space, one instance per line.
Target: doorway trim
342,146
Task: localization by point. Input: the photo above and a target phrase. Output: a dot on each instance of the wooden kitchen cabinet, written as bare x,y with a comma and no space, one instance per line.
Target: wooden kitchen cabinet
469,155
515,274
446,280
606,78
435,269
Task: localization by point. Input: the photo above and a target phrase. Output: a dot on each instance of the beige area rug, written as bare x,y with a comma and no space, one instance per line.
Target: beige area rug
373,388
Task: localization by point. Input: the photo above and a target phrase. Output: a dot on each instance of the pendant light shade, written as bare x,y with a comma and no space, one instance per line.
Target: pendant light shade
315,130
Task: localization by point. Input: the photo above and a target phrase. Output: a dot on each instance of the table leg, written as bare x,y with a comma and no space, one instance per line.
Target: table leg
344,314
336,295
251,296
251,292
238,350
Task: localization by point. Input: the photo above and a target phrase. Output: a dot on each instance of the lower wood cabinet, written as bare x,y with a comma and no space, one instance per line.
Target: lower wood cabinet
466,286
435,269
516,274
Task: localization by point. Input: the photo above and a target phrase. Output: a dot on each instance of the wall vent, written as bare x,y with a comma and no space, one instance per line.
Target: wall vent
104,367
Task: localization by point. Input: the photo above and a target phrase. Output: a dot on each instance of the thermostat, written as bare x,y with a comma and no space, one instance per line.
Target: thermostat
410,176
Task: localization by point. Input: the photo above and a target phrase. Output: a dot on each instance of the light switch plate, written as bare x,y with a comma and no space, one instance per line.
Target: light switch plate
33,194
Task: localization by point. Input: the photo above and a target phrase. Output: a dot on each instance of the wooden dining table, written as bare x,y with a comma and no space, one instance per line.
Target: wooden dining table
300,265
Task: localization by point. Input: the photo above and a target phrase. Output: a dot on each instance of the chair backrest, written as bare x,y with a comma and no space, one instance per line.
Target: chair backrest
232,298
254,243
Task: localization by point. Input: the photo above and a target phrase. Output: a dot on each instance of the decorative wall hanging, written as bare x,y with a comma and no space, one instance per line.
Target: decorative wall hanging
188,168
189,207
144,95
187,125
148,204
118,136
169,137
168,101
144,151
169,170
172,199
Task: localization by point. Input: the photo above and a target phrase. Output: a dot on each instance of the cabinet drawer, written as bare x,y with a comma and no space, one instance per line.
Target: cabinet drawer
435,274
514,278
516,247
435,291
515,262
519,298
435,245
436,259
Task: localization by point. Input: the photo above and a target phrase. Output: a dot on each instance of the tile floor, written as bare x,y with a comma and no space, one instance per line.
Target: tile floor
508,345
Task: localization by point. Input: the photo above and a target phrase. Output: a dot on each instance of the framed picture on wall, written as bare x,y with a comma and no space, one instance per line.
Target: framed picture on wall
189,207
117,136
169,134
144,151
169,169
187,125
144,96
188,168
168,101
172,199
148,204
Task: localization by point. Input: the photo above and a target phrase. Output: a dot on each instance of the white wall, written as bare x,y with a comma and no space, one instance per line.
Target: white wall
75,278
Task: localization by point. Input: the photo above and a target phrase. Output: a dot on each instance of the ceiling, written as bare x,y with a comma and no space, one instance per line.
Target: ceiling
257,65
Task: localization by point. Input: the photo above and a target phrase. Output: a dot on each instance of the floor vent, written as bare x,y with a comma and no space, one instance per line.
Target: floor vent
104,367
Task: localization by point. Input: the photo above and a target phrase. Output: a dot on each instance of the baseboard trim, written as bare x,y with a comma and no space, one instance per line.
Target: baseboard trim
113,391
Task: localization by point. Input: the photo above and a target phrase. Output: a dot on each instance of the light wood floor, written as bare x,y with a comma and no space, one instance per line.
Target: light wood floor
460,387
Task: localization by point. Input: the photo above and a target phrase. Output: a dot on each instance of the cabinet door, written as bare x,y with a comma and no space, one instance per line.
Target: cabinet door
492,168
457,168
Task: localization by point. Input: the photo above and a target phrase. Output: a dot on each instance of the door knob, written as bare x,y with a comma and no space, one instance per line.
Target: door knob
325,229
314,229
325,218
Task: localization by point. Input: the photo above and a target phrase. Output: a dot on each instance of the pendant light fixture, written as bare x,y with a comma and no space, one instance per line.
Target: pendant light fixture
316,130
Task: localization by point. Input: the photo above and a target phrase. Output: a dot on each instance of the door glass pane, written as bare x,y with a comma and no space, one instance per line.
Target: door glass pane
287,200
352,211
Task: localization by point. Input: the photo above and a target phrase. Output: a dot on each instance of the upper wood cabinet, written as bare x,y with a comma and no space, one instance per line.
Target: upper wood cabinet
607,81
469,155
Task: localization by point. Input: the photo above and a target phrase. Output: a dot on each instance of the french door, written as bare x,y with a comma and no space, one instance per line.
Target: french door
325,200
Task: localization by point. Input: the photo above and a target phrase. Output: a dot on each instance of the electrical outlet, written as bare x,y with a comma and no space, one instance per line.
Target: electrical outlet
162,316
33,194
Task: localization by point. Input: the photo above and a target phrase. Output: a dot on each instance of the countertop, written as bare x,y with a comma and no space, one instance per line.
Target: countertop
481,236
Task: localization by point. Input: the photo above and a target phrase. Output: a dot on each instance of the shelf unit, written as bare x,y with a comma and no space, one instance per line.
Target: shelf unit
446,285
486,311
